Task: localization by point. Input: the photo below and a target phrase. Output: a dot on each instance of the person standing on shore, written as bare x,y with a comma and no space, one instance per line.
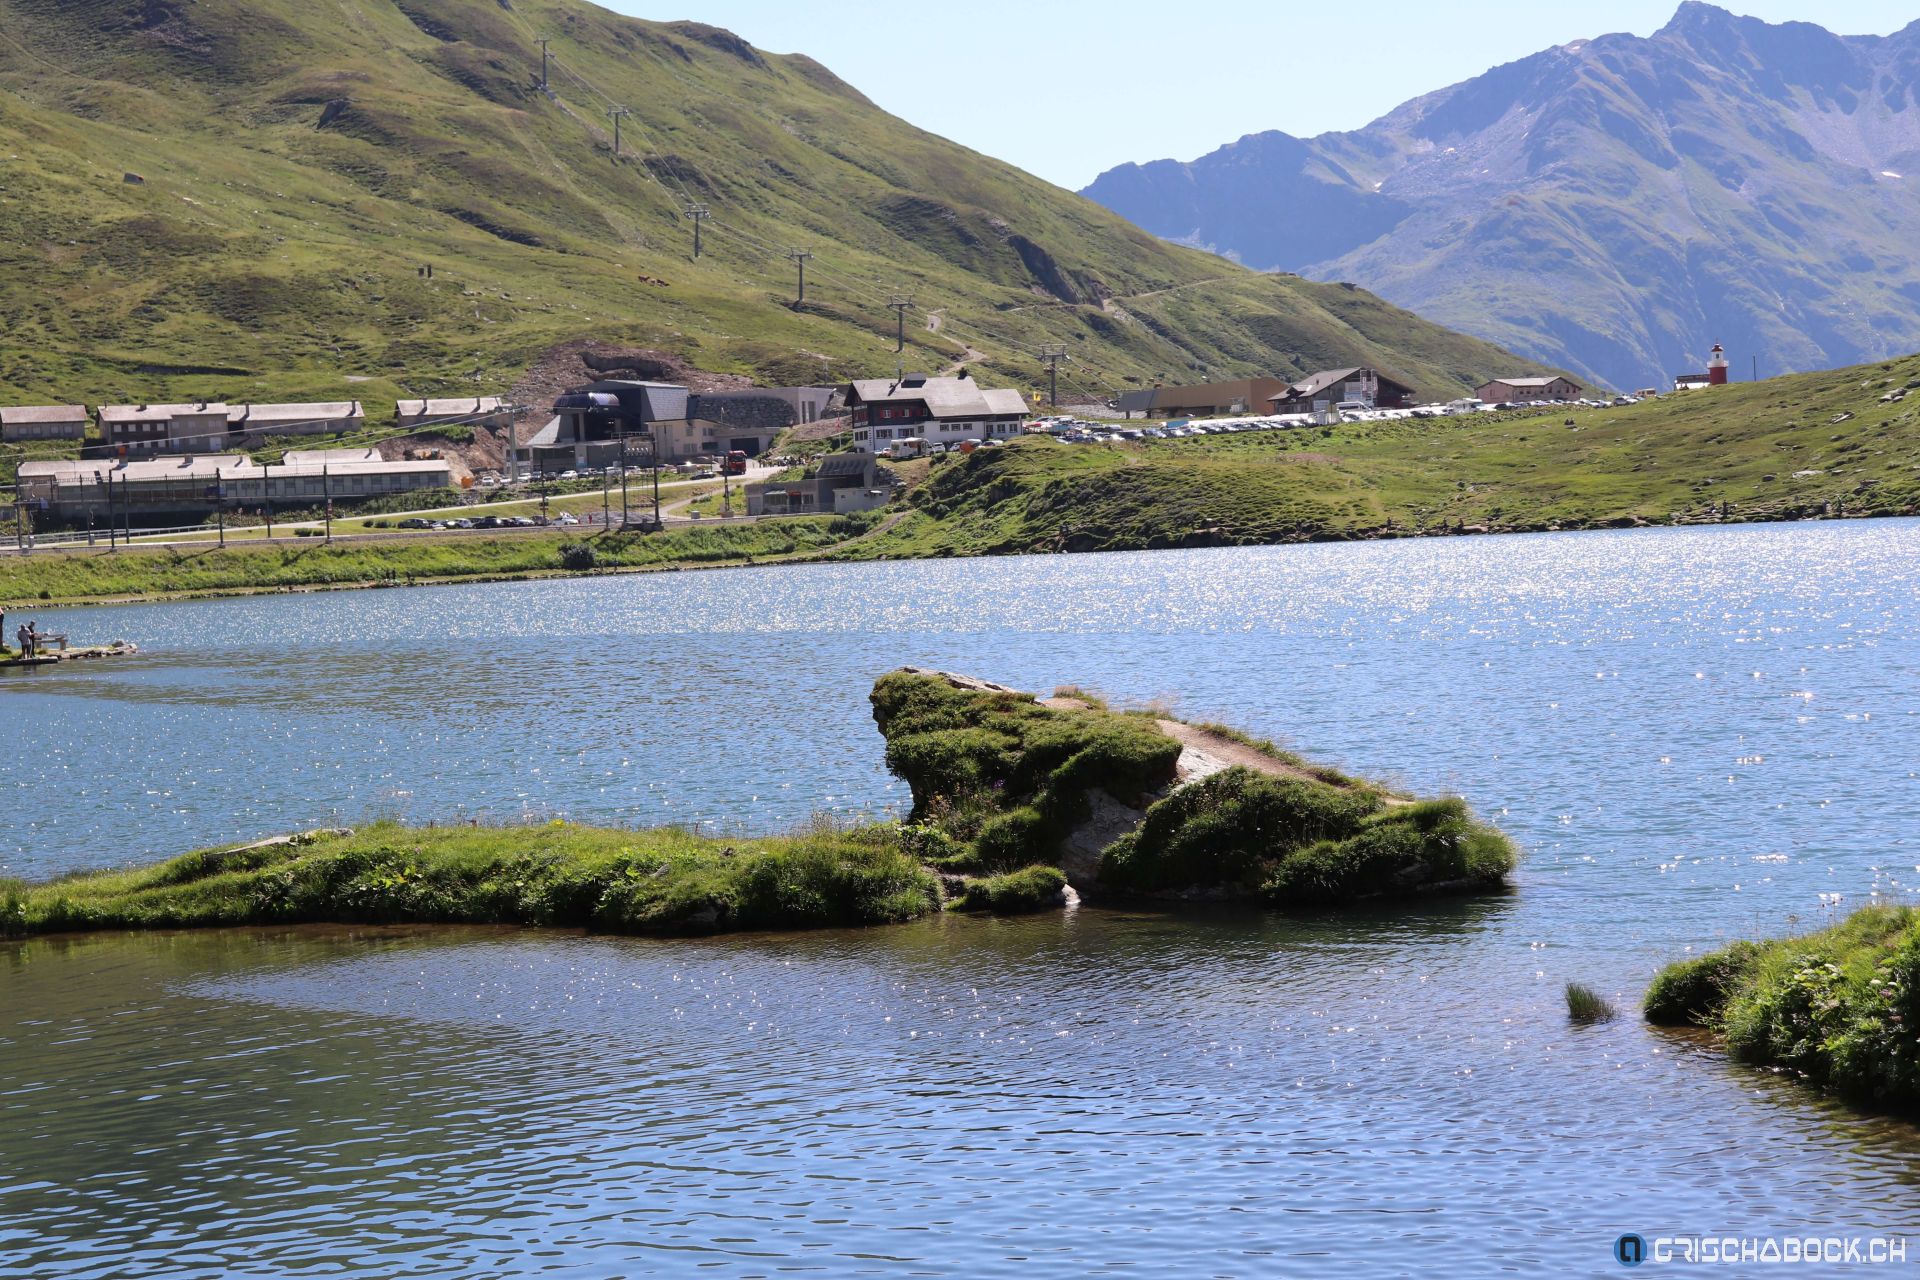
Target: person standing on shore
26,642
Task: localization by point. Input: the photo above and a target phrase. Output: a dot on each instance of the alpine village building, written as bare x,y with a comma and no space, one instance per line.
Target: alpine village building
941,411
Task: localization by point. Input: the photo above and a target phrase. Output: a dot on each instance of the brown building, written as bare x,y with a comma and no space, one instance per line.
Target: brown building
1204,399
1505,390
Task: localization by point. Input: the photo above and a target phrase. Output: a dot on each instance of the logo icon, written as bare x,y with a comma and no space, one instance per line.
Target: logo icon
1630,1250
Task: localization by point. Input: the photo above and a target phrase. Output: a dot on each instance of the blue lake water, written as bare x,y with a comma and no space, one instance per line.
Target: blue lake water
1694,735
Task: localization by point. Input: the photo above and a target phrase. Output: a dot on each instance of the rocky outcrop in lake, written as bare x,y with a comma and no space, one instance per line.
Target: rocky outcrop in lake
1139,805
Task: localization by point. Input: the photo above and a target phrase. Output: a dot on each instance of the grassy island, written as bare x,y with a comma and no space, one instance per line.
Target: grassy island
1008,787
1839,1008
1019,804
560,874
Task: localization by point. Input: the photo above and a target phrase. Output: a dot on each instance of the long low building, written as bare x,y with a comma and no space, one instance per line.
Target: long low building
318,419
1507,390
104,489
941,411
43,422
461,411
1203,399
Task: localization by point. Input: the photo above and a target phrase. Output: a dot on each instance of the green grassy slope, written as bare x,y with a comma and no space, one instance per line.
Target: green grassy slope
302,162
1811,444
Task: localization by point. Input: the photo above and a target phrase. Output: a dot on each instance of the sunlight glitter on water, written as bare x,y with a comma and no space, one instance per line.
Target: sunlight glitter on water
1196,1094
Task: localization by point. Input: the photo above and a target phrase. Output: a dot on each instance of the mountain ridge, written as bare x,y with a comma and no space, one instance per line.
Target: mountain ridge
1614,204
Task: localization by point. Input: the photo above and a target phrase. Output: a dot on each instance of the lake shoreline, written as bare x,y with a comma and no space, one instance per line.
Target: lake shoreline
832,553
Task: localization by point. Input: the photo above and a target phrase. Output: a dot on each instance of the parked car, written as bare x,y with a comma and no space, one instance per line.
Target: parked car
487,522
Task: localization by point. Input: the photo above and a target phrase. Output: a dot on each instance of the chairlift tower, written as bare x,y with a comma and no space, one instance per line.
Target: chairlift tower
699,213
1053,355
900,302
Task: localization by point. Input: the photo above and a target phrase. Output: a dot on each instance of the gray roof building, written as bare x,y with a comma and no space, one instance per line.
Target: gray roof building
297,419
43,422
943,397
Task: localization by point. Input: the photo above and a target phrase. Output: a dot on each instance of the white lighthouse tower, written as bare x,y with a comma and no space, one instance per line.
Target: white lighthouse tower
1717,367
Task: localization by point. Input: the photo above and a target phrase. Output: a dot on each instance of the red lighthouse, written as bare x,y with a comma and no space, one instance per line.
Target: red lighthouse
1717,367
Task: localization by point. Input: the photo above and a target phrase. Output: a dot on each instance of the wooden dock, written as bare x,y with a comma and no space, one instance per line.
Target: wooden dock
10,658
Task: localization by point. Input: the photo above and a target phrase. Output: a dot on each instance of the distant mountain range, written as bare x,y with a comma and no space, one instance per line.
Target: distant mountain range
1614,206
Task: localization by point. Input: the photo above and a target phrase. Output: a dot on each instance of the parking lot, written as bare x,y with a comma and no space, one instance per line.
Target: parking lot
1101,431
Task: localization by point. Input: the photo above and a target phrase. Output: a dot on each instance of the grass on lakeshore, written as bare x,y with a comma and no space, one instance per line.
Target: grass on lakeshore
1585,1005
1839,1007
47,577
557,874
1035,888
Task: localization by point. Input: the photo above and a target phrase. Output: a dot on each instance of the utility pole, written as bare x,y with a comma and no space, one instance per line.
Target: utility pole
544,87
266,499
513,445
800,259
699,213
326,494
1756,368
900,302
1053,356
617,113
220,505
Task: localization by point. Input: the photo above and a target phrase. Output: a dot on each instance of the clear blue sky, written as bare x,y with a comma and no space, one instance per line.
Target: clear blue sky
1067,88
